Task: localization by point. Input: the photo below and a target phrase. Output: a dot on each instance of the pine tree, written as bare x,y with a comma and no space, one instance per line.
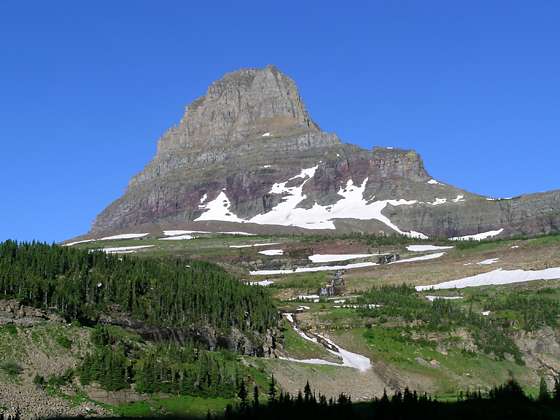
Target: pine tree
272,390
242,394
256,396
543,391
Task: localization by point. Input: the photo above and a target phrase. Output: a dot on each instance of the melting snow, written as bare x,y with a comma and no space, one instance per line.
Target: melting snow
272,252
434,182
322,258
219,209
349,359
352,205
497,277
489,261
432,298
79,242
124,236
204,198
124,249
261,283
420,258
439,201
478,236
312,269
459,198
177,238
266,135
423,248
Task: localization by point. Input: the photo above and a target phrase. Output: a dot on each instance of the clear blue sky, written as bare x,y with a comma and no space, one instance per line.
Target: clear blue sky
86,88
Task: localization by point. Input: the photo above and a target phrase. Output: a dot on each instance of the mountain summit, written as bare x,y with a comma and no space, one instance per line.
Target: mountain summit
249,153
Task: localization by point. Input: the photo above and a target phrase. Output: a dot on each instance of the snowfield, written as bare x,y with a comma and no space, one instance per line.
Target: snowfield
489,261
124,236
496,277
312,269
272,252
425,248
420,258
124,249
432,298
323,258
218,209
352,205
478,236
177,238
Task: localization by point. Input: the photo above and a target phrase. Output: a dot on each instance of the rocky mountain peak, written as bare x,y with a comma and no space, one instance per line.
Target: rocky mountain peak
241,106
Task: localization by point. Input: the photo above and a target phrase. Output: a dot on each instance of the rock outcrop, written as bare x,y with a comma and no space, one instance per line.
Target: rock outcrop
244,146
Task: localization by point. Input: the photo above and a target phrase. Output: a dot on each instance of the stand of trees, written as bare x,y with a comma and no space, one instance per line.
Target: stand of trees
163,292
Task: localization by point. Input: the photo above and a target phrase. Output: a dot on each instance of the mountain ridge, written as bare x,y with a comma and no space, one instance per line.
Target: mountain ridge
245,142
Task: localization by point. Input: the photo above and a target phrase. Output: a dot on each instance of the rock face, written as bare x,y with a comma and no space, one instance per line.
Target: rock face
248,152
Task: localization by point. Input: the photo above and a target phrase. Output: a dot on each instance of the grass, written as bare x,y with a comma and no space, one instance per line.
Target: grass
299,348
182,405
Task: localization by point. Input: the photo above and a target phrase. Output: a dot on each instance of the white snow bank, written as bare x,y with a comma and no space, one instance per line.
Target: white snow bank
261,283
478,236
312,269
432,298
253,245
177,238
79,242
438,201
420,258
322,258
424,248
124,249
218,209
489,261
272,252
497,277
124,236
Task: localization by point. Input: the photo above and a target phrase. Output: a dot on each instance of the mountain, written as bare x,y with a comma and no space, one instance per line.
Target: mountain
248,153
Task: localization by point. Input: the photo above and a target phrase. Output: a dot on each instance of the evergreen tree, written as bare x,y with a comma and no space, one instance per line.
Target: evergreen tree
272,390
543,391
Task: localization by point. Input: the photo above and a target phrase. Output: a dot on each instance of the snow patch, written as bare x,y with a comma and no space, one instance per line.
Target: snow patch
312,269
434,182
124,236
263,283
424,248
177,238
266,135
488,261
272,252
478,236
79,242
497,277
438,201
459,198
219,209
124,249
432,298
322,258
420,258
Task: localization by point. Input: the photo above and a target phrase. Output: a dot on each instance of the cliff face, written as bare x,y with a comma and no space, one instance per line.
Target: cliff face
248,152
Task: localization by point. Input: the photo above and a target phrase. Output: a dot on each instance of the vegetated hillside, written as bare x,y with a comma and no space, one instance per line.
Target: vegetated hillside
161,292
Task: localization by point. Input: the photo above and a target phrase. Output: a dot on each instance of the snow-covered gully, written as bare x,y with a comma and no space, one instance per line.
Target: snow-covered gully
349,359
